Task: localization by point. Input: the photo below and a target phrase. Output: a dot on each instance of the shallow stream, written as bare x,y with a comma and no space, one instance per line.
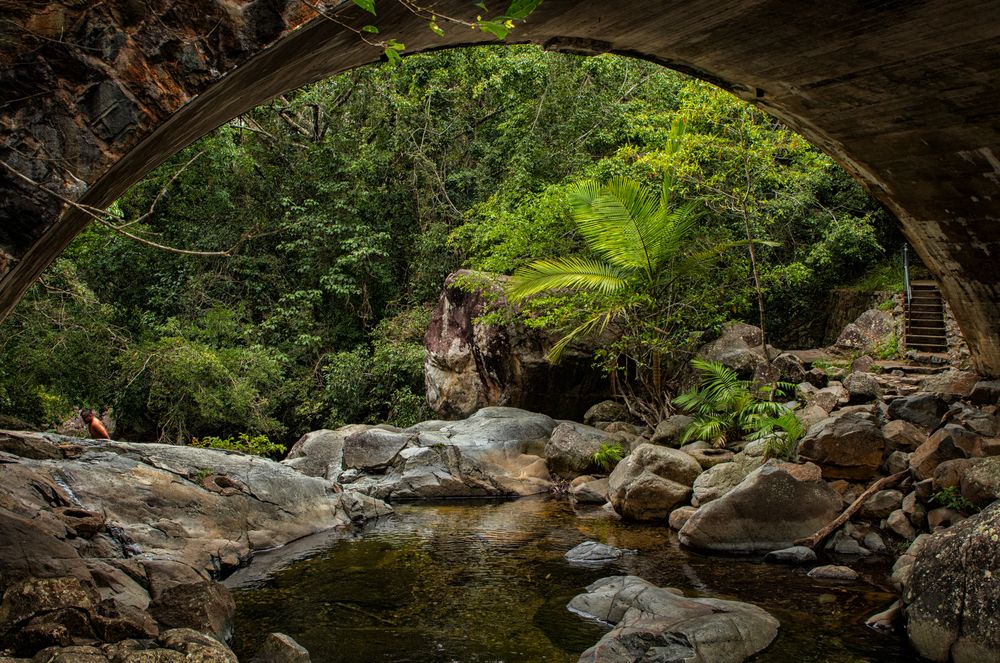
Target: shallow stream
486,581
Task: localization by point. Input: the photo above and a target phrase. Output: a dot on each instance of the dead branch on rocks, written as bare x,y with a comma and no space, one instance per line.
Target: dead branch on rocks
828,529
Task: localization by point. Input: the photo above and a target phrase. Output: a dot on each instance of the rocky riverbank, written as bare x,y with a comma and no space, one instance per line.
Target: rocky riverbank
115,547
106,542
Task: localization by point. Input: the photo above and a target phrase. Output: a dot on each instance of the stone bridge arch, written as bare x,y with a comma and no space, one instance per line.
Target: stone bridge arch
903,93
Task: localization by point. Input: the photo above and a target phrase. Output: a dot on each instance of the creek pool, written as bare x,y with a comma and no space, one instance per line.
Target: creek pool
485,581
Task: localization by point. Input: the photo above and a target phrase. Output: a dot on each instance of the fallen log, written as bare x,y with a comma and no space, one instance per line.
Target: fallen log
831,527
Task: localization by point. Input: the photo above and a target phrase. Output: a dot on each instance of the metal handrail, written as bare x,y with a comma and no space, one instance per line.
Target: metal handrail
906,274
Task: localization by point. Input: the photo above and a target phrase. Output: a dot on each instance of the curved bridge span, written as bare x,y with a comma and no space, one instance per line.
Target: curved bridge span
903,93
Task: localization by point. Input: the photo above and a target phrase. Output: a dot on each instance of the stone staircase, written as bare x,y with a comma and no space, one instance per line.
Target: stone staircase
901,378
925,329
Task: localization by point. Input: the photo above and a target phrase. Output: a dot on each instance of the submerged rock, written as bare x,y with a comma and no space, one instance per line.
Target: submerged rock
592,552
832,572
793,555
655,624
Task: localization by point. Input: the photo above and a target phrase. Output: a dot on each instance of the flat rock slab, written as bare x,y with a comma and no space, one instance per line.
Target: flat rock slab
592,552
654,624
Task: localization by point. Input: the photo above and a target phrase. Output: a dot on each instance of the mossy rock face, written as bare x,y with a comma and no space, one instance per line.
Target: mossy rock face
981,484
954,591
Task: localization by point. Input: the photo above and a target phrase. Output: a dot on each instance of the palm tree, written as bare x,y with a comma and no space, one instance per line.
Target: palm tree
642,245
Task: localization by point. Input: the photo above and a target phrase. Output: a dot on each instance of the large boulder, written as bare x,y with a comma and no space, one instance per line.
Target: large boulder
862,388
924,410
142,530
373,449
953,592
472,364
505,443
871,329
719,480
669,431
944,445
981,484
571,448
772,508
320,453
655,624
845,447
434,472
651,481
739,347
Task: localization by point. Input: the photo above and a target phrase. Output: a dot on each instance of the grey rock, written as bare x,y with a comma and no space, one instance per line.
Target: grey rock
571,448
950,602
594,553
922,409
679,516
321,453
373,449
981,484
896,462
881,504
944,445
591,492
719,480
281,648
738,348
832,572
655,624
709,458
651,481
900,524
793,555
942,518
903,436
986,392
845,447
668,432
843,544
862,388
874,542
606,411
772,508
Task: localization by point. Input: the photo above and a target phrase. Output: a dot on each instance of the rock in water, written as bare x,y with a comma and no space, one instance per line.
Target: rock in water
651,481
771,509
280,648
654,624
592,552
953,594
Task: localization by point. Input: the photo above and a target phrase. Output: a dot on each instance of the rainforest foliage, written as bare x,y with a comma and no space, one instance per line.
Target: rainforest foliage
348,203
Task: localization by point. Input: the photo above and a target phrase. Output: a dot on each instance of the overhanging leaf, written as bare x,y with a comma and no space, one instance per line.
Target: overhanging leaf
367,5
520,9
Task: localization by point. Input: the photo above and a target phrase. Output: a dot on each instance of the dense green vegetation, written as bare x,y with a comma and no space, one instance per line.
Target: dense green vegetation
347,203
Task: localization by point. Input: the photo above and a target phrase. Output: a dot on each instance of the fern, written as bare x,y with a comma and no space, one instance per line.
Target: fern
725,408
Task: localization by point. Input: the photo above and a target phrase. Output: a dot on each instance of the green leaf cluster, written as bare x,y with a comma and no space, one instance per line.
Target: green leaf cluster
727,409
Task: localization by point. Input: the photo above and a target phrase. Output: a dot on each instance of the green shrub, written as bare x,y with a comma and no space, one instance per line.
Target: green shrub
725,408
608,455
258,445
951,498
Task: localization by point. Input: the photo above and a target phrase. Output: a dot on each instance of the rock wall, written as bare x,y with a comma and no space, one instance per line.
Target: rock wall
471,364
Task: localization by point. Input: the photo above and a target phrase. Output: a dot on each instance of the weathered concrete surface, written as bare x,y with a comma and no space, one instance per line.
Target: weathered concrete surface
903,95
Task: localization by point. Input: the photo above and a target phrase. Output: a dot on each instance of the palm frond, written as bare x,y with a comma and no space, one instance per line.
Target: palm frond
575,273
617,222
598,322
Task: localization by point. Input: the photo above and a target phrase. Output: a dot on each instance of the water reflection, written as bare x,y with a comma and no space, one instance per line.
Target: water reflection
486,581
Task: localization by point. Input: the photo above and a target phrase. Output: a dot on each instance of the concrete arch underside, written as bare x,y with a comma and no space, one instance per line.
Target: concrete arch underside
904,94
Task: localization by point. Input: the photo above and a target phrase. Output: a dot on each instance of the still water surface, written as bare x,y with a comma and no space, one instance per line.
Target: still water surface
486,581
